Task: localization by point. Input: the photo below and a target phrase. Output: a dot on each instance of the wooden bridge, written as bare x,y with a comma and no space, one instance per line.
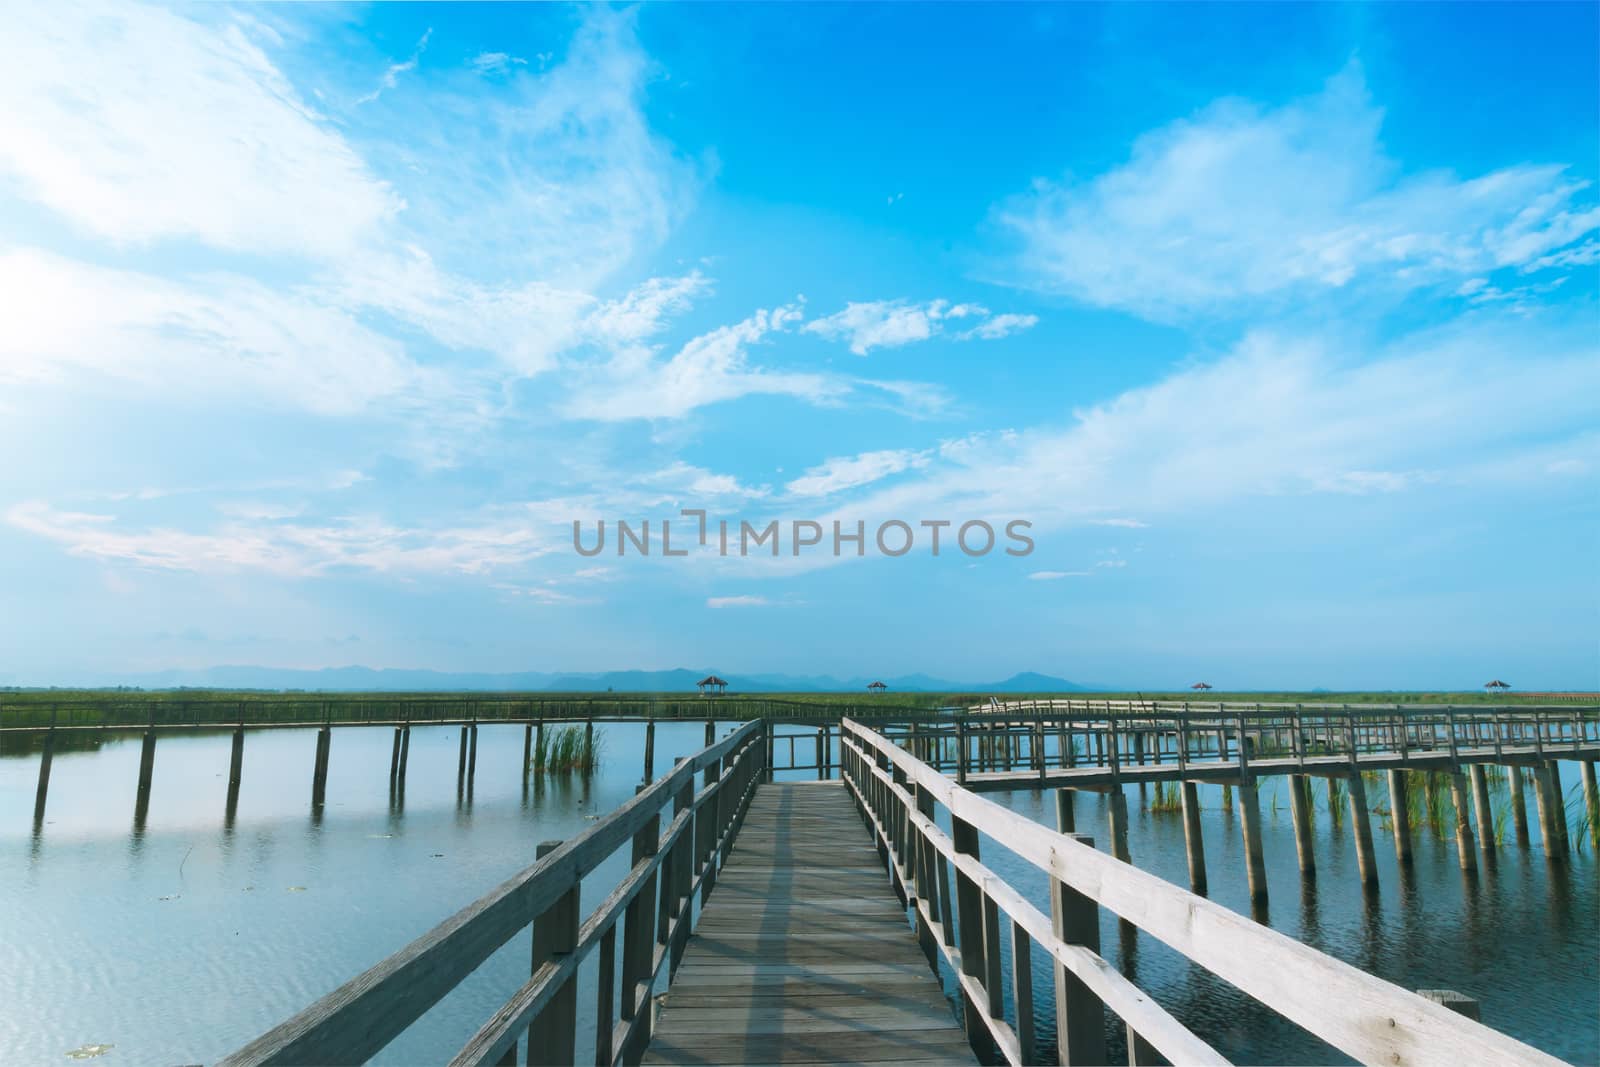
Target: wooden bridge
815,923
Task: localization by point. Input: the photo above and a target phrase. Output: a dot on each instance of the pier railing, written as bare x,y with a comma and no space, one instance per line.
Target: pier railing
960,905
640,926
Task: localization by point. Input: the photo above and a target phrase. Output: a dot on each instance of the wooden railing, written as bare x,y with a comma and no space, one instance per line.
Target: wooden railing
1111,734
654,903
1363,1016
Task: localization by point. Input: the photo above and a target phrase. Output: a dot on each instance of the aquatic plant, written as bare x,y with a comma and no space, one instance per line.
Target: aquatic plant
1337,794
1168,797
564,749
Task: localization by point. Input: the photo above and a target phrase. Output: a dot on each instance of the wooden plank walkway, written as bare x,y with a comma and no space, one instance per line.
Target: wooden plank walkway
804,954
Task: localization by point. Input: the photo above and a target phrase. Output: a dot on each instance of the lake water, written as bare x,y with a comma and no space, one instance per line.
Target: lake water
178,940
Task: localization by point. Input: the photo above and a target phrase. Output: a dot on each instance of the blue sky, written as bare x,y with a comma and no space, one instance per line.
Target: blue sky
1277,322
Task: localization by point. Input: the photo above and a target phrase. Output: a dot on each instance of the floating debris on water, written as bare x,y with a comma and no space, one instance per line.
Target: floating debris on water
379,837
296,889
174,896
89,1052
438,855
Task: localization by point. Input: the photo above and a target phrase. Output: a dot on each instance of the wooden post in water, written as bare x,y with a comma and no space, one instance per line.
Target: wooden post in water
461,764
1464,847
961,752
1065,819
46,757
527,750
1118,805
472,757
1362,826
1558,806
553,1032
394,760
1400,813
1591,801
1250,824
405,756
1519,804
1080,1015
649,751
319,771
1193,842
147,769
969,928
235,768
1300,808
1480,806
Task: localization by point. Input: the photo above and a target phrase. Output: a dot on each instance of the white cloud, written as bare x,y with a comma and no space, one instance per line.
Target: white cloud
710,368
848,472
391,77
295,549
701,482
1487,400
1112,563
1054,576
1242,202
999,326
495,62
1130,524
137,124
218,336
892,323
737,602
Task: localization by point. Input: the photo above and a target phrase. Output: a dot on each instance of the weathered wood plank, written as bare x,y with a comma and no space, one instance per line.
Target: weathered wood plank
804,956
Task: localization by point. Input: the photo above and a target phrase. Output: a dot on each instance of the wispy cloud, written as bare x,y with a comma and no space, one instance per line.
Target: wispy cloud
849,472
737,602
892,323
1243,203
391,77
1055,576
495,62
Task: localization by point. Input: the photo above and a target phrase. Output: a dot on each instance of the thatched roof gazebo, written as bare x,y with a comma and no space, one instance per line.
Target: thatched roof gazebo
1200,685
1497,684
711,685
877,687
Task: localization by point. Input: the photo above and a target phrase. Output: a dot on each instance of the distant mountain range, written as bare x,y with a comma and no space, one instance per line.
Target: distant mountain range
682,679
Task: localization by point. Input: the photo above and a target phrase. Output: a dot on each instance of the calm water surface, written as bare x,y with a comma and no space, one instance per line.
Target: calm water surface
178,941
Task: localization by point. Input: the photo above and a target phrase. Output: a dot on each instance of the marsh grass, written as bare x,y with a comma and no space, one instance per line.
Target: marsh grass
1338,793
565,749
1168,797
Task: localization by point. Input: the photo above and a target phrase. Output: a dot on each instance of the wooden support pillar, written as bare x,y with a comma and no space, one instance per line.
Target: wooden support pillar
1066,821
553,1032
969,926
1250,823
1193,841
319,771
472,757
1519,804
1591,801
1480,806
235,768
394,760
649,751
1118,807
1464,848
405,756
46,757
1558,801
461,764
147,769
1400,814
1300,807
1080,1015
527,750
1366,863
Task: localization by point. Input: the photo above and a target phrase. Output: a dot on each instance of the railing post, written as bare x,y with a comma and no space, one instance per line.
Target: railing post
930,884
638,942
1080,1016
679,886
553,1032
707,823
970,924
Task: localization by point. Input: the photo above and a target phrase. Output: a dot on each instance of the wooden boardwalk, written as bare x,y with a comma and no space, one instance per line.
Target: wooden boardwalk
804,954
